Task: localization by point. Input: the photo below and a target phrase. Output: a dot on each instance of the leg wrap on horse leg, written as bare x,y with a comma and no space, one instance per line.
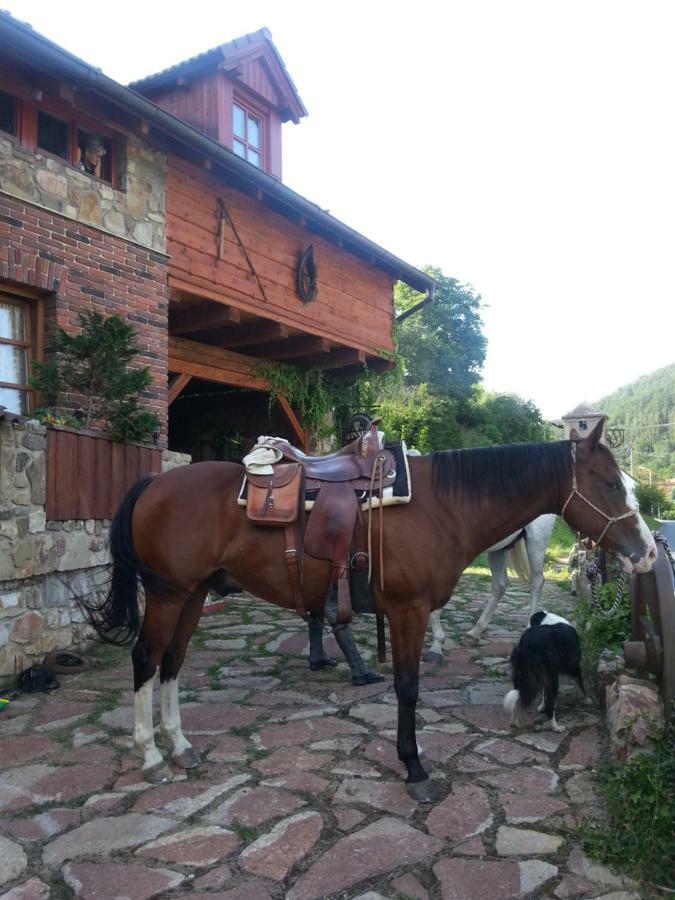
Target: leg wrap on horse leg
182,752
360,673
317,655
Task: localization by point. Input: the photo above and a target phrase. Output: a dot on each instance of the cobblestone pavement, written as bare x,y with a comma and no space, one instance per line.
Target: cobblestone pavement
300,794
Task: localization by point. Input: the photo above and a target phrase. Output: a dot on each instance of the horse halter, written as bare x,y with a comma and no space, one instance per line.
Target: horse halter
610,519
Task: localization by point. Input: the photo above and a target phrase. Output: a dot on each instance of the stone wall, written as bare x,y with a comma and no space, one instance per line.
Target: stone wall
44,565
137,211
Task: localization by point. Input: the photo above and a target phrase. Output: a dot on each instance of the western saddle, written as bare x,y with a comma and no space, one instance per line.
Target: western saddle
335,530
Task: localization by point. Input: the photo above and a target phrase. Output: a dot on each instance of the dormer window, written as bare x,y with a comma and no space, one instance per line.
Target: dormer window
246,134
583,425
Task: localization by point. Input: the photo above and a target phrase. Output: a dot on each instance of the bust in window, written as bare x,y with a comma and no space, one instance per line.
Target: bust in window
91,155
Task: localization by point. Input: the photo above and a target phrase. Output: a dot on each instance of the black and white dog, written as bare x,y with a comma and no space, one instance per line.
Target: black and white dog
548,648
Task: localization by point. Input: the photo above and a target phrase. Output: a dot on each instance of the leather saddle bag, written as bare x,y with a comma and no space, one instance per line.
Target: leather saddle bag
275,499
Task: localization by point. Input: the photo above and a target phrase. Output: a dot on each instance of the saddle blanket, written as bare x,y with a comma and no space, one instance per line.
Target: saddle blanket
399,492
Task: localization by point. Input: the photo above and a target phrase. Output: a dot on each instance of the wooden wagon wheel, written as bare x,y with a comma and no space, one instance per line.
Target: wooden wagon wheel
652,644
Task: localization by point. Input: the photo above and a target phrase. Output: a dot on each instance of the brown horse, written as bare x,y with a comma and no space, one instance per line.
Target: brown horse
179,530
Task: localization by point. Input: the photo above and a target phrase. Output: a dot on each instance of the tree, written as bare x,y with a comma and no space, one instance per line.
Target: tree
442,345
504,419
423,420
92,368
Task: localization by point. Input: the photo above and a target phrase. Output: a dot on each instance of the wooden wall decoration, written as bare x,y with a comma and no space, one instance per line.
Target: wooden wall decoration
305,276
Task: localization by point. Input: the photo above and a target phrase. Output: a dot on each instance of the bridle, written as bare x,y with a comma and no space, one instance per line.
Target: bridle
610,519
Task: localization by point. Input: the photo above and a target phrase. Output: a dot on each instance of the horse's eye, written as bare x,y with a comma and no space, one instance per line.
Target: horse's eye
612,485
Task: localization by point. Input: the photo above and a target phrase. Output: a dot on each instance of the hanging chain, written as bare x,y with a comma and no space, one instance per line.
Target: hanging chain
594,577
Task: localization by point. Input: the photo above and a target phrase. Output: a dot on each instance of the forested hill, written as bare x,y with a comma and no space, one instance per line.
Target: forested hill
647,402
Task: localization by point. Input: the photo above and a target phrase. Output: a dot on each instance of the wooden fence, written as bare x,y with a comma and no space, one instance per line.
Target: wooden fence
88,475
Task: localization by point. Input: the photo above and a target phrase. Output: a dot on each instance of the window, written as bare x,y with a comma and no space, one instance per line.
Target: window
583,425
89,151
94,154
247,135
15,349
8,109
52,135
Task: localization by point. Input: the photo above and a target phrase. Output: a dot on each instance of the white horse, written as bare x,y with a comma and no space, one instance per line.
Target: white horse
528,563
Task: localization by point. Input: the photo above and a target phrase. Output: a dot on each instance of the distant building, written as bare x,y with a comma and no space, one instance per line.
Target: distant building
582,419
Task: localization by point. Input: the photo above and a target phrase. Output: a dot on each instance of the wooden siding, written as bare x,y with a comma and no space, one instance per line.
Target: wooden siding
88,475
256,78
353,306
196,103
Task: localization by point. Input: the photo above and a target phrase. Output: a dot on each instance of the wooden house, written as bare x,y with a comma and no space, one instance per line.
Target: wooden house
161,202
183,225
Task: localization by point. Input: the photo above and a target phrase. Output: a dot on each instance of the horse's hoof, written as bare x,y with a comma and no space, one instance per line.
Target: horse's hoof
423,791
188,759
431,656
160,773
368,678
328,662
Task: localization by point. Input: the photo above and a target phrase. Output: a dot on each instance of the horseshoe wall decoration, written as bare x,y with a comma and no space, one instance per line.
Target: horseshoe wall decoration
305,276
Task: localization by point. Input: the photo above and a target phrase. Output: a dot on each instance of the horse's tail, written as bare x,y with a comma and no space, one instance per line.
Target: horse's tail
517,559
117,619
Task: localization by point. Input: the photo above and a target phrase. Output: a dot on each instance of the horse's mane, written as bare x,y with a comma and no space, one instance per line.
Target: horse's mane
506,471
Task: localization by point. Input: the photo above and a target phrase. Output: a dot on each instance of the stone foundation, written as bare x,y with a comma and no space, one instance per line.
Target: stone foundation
634,715
44,566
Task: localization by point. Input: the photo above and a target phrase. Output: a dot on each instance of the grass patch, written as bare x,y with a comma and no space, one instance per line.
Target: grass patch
108,702
560,544
246,833
213,672
639,797
254,753
243,731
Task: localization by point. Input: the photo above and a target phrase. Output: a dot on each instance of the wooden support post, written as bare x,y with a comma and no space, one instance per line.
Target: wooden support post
176,385
300,433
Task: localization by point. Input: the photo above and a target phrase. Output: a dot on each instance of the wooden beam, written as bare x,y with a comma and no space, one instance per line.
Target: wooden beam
176,385
190,320
255,335
345,356
294,422
378,364
214,364
306,345
67,93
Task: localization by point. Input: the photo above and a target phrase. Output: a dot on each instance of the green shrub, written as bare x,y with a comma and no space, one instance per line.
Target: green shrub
92,368
598,633
639,797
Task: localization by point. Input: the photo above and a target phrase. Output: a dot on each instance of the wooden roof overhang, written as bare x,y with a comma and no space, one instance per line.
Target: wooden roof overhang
196,321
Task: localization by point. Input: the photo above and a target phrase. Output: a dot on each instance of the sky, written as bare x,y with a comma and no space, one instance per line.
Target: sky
527,148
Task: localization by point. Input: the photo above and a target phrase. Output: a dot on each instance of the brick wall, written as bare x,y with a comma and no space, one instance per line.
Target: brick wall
77,268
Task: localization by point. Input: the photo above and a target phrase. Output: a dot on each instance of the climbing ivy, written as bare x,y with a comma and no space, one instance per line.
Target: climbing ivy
324,400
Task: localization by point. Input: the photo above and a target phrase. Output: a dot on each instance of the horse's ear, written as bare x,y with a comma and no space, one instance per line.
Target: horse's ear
574,435
593,438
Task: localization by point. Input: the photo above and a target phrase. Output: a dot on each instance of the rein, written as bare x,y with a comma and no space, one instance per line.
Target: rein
610,519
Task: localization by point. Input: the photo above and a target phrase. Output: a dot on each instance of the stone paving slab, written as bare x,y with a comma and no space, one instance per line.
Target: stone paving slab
301,795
